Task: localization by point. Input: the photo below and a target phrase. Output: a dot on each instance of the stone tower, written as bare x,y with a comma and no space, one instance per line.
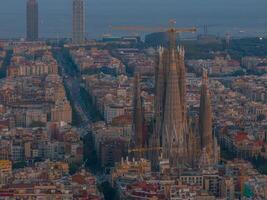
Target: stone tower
208,141
138,139
170,104
205,115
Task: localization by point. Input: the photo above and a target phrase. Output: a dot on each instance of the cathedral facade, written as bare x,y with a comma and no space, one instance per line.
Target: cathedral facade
183,139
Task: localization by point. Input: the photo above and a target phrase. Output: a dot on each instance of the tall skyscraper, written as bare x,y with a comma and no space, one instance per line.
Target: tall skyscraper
78,22
32,20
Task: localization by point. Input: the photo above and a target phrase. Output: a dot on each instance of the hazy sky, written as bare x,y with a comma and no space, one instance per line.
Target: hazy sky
55,15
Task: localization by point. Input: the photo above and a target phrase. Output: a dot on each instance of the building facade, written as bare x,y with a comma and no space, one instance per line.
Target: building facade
183,138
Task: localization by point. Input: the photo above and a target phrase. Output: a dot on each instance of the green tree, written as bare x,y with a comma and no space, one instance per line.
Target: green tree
109,192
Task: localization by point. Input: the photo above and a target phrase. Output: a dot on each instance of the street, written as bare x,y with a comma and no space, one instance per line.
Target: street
72,80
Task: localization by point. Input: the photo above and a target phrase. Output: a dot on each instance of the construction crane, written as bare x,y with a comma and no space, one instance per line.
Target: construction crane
172,30
146,29
156,29
142,150
207,26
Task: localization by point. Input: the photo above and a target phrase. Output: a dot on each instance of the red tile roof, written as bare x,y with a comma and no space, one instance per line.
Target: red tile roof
122,119
79,179
241,136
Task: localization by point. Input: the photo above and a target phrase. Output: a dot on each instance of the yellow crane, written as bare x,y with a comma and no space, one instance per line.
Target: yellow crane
156,29
147,29
172,30
142,150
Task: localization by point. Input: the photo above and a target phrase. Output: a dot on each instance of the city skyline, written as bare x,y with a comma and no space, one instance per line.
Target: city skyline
101,112
55,20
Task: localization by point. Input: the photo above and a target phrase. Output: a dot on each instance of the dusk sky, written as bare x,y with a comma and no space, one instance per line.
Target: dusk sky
55,15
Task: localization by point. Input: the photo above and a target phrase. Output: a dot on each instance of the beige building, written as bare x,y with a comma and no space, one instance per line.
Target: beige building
62,112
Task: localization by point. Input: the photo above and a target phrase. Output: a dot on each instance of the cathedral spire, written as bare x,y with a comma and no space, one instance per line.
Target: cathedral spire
182,82
159,96
205,159
155,140
138,116
172,128
205,77
170,104
205,115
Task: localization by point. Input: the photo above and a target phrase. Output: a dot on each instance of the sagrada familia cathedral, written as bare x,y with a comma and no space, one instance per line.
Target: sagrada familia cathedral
185,141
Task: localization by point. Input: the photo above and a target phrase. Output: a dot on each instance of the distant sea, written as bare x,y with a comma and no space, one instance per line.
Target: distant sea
239,17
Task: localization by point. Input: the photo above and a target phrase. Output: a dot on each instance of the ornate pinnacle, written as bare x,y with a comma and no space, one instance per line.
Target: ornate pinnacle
181,50
205,76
